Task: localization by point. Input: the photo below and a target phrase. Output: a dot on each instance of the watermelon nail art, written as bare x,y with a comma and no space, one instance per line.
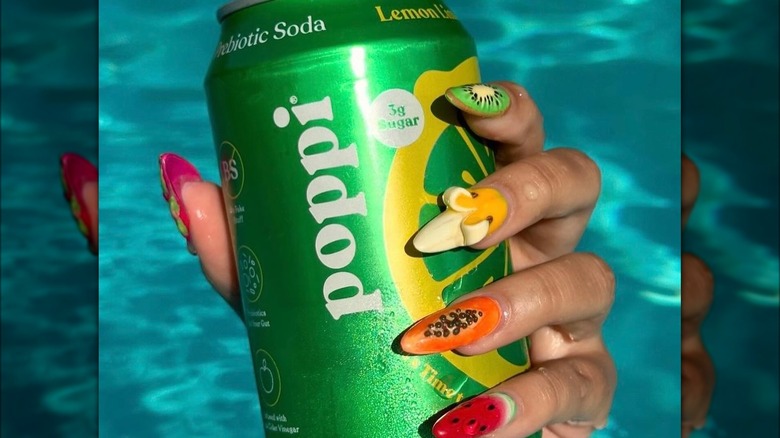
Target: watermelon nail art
453,327
175,171
75,173
477,417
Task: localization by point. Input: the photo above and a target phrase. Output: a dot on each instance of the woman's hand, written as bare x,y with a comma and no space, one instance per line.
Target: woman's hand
698,371
541,203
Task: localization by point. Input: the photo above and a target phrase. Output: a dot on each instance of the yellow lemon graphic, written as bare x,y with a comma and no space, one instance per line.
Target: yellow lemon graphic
446,154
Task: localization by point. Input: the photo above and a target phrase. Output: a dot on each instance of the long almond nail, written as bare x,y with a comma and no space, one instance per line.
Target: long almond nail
175,172
453,327
477,417
75,173
470,216
483,100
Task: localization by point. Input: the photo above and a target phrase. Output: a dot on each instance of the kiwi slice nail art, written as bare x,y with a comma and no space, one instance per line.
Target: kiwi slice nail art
484,100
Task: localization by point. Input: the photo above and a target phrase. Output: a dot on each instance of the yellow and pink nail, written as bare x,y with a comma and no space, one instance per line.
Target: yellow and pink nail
471,215
75,173
175,172
477,417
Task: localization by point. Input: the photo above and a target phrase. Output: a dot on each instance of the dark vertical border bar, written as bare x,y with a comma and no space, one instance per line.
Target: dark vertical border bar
730,113
49,278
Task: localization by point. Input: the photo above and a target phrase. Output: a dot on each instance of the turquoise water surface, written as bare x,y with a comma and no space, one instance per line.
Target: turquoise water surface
49,279
731,131
174,360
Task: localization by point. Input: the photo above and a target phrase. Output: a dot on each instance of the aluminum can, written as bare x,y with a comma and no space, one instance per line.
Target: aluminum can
334,143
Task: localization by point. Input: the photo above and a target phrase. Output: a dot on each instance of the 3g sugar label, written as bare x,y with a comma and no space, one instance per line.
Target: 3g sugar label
396,118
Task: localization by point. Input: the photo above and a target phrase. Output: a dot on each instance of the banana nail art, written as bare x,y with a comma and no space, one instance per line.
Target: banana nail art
470,216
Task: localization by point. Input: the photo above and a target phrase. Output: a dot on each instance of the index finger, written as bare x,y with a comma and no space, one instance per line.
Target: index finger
198,210
505,113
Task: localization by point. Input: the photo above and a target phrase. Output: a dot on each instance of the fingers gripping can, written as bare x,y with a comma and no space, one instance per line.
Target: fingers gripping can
334,143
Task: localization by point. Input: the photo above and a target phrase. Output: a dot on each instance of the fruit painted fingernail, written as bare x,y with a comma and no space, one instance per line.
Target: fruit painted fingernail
484,100
477,417
470,216
75,173
175,172
453,327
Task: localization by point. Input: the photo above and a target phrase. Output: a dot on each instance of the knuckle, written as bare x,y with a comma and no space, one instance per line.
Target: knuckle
603,277
534,115
583,164
557,172
552,388
546,176
519,91
557,284
690,183
530,116
699,268
584,376
536,120
592,381
603,271
698,286
689,168
551,294
608,373
571,383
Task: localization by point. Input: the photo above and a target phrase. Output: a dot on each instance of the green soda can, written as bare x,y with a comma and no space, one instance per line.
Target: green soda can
334,143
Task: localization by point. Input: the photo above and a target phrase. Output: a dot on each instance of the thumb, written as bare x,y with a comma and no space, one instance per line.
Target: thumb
199,212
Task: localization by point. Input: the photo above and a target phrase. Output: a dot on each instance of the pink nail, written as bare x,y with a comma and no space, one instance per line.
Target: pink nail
75,173
175,172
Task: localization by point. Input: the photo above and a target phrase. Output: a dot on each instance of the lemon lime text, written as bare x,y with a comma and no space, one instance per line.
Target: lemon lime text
438,12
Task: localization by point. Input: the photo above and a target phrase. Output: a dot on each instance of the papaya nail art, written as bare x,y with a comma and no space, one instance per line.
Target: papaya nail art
470,216
483,100
75,173
175,172
453,327
476,417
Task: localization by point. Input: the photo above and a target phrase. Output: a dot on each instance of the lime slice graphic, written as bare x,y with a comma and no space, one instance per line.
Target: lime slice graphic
419,174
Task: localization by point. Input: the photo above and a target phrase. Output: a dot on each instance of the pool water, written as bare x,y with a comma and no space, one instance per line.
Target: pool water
173,358
731,131
49,279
